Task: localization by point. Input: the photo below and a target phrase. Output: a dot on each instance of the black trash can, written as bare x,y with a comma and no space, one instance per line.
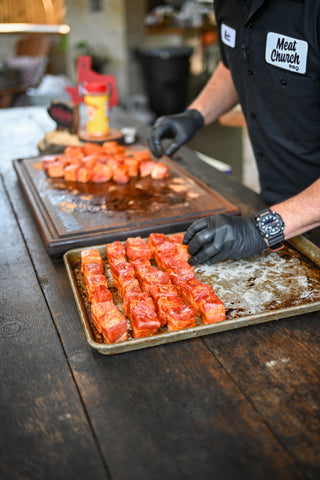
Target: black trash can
166,72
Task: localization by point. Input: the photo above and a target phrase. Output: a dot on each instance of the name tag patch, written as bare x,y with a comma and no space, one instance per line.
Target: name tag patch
286,52
228,35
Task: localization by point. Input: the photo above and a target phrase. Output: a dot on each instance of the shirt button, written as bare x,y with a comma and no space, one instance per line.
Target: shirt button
260,154
249,25
253,115
283,81
250,72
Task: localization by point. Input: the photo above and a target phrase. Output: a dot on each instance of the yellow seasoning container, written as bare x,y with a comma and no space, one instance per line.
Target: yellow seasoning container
96,99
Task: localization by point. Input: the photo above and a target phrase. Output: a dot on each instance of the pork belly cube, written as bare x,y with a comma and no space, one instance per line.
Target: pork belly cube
176,238
137,248
212,310
145,167
156,239
129,294
153,276
180,317
48,160
141,264
120,174
116,253
92,282
89,269
165,305
141,155
179,275
192,291
101,294
56,169
132,165
84,175
91,148
157,291
70,172
91,256
182,253
101,173
143,317
125,272
159,171
89,161
109,321
113,163
74,152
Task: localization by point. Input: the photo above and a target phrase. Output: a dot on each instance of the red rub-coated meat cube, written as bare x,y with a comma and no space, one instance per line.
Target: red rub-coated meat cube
56,169
89,161
101,173
165,305
109,321
137,248
156,239
154,276
120,174
83,175
132,165
159,171
101,294
145,167
48,160
176,238
143,317
70,172
92,282
180,317
159,291
89,269
212,310
91,255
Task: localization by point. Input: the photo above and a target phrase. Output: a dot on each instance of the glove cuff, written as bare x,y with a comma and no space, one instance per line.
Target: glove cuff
196,116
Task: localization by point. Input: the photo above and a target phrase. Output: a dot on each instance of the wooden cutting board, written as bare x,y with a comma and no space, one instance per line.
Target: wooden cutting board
71,214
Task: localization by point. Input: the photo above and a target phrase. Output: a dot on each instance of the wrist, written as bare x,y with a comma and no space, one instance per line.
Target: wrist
196,116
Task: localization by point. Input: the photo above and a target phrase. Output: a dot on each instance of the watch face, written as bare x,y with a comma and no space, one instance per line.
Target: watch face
270,224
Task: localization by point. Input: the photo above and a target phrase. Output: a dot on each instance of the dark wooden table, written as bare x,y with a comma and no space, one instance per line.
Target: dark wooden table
242,404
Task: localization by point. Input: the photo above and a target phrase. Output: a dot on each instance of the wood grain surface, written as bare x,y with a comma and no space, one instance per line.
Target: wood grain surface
240,405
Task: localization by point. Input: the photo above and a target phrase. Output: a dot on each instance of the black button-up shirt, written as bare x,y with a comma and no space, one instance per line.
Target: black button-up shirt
272,48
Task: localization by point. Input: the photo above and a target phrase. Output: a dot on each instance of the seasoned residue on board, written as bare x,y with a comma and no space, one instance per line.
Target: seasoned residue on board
141,196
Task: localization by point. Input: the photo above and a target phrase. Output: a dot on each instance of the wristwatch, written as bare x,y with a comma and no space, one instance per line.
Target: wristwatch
270,226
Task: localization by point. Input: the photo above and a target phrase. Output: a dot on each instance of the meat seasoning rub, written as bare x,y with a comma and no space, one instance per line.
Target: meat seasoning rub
96,99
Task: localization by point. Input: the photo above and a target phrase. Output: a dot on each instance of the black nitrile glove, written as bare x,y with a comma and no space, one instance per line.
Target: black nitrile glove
223,237
181,128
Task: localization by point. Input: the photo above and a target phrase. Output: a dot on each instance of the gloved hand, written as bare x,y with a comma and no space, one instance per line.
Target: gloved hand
181,128
223,237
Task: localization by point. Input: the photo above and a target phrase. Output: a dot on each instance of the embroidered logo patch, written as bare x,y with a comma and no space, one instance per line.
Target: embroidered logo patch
228,35
286,52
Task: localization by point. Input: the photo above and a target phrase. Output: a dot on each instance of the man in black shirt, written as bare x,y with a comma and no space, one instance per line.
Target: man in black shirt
270,63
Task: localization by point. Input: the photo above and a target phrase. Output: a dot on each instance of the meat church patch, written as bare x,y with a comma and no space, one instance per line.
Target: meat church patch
286,52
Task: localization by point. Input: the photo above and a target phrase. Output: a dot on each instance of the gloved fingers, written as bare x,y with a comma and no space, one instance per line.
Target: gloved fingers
172,148
201,240
193,229
161,128
206,253
155,146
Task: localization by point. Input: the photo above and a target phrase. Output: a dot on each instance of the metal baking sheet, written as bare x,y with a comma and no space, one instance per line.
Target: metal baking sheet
71,214
269,286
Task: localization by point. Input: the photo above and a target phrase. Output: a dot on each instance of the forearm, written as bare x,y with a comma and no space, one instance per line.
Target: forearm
217,97
301,212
